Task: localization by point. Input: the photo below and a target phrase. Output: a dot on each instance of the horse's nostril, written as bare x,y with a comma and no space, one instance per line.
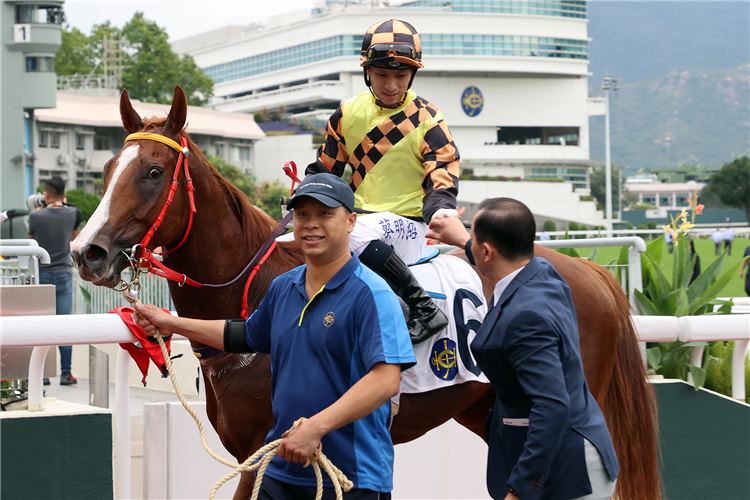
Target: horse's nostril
94,255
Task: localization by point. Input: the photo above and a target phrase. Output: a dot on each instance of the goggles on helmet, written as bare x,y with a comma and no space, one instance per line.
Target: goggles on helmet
381,50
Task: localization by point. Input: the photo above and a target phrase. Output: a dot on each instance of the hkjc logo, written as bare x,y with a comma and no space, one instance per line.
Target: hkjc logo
328,320
472,101
443,360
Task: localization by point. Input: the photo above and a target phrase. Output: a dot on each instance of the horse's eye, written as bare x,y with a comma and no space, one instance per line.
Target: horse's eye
154,174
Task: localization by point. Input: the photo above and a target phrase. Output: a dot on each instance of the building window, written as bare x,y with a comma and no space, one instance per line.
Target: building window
219,150
432,44
43,139
39,14
40,64
682,199
665,200
101,143
80,142
649,198
55,136
535,136
244,154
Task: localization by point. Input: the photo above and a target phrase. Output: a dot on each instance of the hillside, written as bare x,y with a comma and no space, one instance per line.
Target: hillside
681,117
643,40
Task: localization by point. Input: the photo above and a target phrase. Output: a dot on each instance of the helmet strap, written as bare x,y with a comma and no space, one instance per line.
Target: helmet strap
367,78
377,101
413,74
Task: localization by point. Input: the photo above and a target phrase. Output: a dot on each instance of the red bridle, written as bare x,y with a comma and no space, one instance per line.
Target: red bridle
148,260
153,265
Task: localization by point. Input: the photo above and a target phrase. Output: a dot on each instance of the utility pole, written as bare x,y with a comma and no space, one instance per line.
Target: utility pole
609,84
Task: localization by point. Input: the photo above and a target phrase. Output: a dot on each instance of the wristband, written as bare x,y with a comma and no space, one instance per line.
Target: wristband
445,212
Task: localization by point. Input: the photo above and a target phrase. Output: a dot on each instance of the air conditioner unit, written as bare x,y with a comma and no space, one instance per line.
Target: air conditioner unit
63,158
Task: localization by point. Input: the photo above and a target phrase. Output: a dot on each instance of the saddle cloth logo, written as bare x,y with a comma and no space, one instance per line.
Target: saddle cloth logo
329,319
443,359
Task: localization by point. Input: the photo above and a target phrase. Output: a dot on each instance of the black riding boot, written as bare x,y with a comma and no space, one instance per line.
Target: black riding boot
425,319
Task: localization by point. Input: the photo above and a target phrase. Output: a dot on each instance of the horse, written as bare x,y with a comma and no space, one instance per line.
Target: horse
225,233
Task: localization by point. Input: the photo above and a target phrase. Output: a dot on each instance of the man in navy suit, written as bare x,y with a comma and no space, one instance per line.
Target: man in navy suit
547,436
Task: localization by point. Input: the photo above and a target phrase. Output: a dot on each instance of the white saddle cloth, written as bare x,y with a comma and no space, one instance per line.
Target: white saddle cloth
445,359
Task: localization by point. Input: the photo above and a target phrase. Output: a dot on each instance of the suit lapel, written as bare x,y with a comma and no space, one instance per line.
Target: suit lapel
531,269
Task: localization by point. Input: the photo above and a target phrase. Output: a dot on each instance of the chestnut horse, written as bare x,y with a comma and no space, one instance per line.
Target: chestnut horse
227,231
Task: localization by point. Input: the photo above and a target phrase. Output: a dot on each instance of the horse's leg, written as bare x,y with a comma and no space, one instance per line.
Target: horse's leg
419,413
474,417
242,383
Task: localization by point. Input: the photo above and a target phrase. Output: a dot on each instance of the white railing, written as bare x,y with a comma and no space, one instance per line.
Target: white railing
596,233
635,244
42,332
24,269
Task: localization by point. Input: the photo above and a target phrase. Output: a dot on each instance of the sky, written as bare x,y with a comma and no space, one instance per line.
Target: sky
181,18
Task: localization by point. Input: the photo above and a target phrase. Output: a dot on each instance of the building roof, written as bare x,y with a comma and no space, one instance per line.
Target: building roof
663,187
105,112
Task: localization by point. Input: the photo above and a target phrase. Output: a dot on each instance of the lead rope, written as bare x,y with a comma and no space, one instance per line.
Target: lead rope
340,481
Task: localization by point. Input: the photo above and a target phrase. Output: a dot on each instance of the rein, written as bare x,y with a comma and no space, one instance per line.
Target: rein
151,264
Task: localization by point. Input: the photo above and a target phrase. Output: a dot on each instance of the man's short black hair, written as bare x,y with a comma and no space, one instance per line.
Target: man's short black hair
508,225
55,186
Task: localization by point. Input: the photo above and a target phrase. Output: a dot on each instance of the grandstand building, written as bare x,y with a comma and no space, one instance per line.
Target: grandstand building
511,77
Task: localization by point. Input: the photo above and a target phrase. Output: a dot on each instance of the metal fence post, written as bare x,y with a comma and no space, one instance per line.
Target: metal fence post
98,378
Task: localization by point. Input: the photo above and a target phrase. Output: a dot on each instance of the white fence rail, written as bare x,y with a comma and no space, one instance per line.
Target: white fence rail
24,269
45,331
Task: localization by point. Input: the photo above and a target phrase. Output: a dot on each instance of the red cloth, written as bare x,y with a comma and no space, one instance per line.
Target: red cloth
150,347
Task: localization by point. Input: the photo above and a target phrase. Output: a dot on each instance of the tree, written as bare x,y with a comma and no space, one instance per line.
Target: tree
597,181
266,196
241,181
86,203
710,199
75,55
151,68
732,184
154,68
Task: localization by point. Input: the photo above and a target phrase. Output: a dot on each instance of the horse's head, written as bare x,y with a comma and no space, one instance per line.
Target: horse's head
136,183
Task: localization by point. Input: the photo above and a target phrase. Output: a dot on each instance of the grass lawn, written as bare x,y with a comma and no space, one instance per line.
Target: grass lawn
705,249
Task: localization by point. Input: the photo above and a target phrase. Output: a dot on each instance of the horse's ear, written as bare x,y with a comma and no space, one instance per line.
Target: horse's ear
178,113
131,121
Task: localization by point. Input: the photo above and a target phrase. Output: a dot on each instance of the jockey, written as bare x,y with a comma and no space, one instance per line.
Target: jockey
404,166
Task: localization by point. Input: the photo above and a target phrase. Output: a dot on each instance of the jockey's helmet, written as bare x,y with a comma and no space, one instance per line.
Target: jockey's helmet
391,44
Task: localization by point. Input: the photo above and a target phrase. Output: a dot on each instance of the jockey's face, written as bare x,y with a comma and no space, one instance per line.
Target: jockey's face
322,232
389,85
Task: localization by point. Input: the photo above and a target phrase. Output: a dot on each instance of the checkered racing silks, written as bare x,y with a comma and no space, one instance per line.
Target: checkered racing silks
415,135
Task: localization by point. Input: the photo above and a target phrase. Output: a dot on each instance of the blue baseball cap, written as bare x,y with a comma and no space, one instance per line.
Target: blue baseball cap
329,189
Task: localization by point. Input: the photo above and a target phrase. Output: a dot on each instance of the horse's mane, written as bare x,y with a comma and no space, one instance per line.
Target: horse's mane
256,224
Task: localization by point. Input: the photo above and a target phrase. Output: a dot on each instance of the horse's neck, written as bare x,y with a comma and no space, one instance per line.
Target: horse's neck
217,248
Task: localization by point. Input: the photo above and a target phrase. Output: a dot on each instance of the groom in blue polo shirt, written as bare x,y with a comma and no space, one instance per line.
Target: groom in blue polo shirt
338,342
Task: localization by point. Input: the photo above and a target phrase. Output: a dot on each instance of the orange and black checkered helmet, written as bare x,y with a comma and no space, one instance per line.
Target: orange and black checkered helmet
392,44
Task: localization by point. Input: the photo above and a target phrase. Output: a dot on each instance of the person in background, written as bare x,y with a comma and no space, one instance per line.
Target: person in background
728,237
669,240
747,274
718,236
544,236
696,265
547,436
53,227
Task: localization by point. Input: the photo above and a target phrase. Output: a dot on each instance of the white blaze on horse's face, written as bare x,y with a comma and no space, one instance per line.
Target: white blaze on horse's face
101,215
